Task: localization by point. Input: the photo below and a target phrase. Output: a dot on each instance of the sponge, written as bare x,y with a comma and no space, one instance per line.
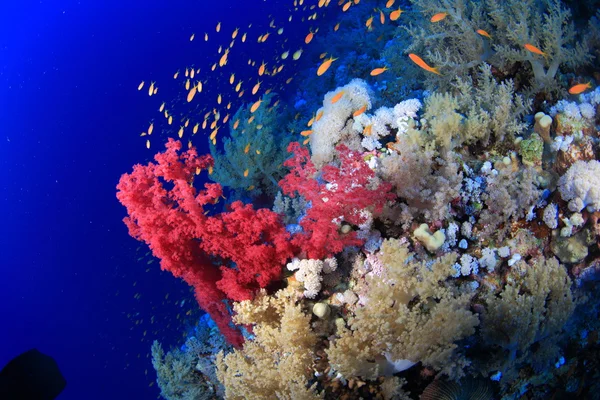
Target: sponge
432,242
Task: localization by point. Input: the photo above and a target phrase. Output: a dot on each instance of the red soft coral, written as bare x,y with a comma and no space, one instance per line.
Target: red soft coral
227,256
342,195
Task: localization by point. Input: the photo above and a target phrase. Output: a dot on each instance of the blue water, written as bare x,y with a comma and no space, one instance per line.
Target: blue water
70,117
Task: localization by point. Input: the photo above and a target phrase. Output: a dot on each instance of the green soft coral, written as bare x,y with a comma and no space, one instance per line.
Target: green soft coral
255,146
454,46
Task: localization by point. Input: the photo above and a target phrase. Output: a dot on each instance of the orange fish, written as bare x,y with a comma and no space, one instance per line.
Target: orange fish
580,88
256,87
214,133
247,148
394,15
306,133
309,37
246,173
325,66
255,106
191,94
533,49
337,97
369,22
261,69
381,17
439,16
319,115
346,6
360,111
389,4
483,33
419,61
378,71
368,130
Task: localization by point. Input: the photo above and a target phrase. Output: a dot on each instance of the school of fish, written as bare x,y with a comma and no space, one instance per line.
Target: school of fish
198,84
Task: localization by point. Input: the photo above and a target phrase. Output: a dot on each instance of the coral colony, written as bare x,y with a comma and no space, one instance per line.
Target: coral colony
431,232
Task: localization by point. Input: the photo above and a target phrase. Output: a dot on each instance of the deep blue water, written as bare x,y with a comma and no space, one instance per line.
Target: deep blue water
70,117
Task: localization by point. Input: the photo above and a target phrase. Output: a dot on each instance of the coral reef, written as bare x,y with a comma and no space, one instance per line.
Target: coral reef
421,242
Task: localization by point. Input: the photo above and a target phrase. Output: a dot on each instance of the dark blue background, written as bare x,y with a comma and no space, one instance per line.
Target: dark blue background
70,118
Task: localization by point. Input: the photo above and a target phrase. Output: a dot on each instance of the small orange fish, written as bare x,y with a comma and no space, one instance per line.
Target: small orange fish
306,133
580,88
419,61
369,22
319,115
381,17
247,148
389,4
256,87
246,173
325,66
337,97
360,111
346,6
368,130
394,15
191,94
255,106
309,37
378,71
235,124
533,49
483,33
261,69
439,16
336,27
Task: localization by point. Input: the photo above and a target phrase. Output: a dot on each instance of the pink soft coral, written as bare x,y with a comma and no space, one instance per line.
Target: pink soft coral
227,256
346,190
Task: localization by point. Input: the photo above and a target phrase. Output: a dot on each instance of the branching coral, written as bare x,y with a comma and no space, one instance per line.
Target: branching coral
544,24
229,255
340,195
176,376
254,146
508,197
278,362
492,109
427,183
412,314
533,306
455,47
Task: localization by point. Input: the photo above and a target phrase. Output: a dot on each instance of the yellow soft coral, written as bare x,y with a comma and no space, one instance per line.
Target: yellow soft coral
411,315
279,361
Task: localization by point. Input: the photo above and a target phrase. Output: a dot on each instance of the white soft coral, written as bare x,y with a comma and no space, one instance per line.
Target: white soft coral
580,186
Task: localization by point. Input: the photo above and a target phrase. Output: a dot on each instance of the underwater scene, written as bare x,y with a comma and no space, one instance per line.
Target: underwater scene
323,199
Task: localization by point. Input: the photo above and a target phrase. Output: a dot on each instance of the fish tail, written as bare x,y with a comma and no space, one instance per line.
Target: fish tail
435,70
